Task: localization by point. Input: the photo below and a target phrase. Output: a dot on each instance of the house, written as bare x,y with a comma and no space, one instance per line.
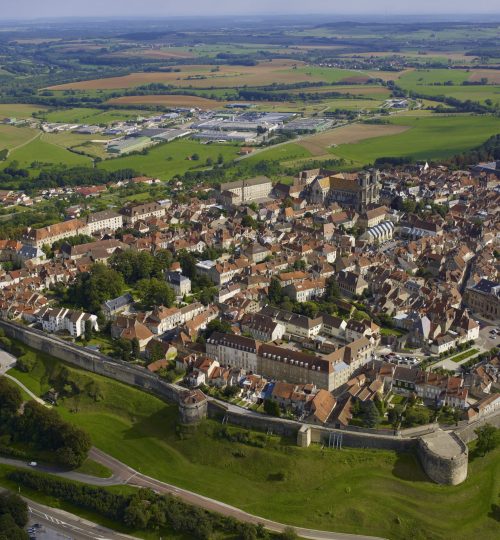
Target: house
130,328
111,308
181,284
262,327
320,407
351,284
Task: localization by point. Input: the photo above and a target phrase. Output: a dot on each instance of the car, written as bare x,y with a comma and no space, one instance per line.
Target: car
32,463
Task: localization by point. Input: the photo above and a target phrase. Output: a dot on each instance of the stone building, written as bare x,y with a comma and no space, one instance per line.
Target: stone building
484,298
245,191
135,212
355,191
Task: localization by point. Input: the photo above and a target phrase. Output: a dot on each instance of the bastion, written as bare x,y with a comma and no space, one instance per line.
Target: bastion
444,457
192,407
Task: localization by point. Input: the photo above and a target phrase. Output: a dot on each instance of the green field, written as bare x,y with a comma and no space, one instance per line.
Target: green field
421,81
430,137
360,491
168,160
12,137
91,116
284,152
42,150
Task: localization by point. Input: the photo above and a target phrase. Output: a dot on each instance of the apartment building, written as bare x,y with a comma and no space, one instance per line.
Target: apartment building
107,220
63,319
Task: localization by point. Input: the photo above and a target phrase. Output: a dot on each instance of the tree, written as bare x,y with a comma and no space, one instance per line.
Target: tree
136,348
122,348
10,399
9,530
91,289
12,504
89,330
156,351
218,326
272,407
417,416
249,221
154,292
487,439
332,291
394,415
275,292
371,415
289,534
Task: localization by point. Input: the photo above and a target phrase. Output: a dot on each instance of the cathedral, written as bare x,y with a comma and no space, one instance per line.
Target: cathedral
353,190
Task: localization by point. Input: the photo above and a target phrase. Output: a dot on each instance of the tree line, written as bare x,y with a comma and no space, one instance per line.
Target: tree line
41,428
143,510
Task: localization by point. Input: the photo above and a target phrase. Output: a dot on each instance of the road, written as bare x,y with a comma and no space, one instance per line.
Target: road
68,526
123,474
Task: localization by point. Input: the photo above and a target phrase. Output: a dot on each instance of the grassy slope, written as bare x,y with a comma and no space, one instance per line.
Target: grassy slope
157,162
365,491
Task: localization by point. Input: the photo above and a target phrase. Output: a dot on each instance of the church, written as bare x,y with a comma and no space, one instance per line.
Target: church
353,190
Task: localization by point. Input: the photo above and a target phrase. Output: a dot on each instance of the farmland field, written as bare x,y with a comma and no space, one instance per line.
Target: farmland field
171,100
19,110
43,151
430,137
136,428
12,136
199,76
432,82
320,143
84,115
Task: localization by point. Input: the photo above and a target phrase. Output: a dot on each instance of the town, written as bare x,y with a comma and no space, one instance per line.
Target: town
367,298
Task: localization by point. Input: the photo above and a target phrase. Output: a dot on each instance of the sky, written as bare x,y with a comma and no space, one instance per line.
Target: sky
28,9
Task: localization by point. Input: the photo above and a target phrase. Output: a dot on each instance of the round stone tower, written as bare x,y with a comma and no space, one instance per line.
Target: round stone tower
192,407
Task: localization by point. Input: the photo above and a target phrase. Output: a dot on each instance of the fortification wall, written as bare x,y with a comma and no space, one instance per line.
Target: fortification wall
466,431
92,361
442,467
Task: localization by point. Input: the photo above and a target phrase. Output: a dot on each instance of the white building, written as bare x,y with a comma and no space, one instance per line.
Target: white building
57,320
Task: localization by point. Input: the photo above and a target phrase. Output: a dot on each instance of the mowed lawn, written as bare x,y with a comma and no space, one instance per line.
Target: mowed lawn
168,160
360,491
430,137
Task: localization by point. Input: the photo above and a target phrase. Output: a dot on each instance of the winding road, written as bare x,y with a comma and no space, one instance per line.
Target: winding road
123,474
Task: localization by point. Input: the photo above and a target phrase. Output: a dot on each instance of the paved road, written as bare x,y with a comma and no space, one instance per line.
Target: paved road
68,525
123,474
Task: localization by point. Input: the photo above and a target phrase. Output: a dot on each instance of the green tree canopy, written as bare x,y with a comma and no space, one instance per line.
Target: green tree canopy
155,292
